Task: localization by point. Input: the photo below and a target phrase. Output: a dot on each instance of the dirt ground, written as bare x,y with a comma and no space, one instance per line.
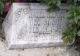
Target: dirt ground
51,51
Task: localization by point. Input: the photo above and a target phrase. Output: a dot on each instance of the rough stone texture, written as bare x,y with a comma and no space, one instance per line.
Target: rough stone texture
30,25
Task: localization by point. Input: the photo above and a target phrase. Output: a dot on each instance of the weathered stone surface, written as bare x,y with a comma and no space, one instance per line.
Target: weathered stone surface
30,25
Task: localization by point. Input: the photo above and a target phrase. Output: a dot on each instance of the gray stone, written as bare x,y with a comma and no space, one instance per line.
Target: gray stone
30,25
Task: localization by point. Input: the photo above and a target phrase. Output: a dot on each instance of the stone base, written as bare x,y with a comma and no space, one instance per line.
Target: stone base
30,25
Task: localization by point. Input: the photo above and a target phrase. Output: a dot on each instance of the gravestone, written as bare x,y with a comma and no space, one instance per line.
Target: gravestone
29,25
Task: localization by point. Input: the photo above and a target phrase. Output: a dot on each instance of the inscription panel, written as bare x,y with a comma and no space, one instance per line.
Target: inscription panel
35,27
